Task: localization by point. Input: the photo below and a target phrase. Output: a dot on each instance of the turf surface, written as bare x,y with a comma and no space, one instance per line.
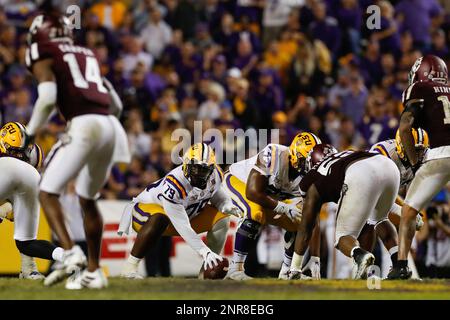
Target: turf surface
179,288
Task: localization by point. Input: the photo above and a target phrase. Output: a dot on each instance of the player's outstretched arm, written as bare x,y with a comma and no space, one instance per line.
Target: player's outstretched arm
46,95
116,105
311,209
406,124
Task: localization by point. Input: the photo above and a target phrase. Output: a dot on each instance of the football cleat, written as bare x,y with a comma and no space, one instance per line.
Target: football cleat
86,279
74,259
131,275
399,273
55,276
33,275
360,265
238,275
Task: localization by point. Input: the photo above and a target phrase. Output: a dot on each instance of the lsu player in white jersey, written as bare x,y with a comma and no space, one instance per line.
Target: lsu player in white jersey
266,189
189,200
19,187
393,149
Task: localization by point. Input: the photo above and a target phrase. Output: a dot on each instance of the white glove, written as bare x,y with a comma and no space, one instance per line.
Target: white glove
210,259
232,210
419,222
6,211
289,209
313,265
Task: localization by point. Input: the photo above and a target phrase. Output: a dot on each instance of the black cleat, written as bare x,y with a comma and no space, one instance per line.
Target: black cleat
399,273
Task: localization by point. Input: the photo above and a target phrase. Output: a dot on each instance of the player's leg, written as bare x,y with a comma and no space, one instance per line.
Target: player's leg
150,222
90,180
387,233
26,222
360,182
63,163
428,181
217,235
248,229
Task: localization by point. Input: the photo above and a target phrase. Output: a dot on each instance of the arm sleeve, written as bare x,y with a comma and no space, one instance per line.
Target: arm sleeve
116,105
179,218
43,106
221,199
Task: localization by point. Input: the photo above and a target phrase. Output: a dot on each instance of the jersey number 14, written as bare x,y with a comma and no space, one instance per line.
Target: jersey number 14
91,74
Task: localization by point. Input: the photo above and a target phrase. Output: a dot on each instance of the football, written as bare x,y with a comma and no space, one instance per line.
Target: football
217,272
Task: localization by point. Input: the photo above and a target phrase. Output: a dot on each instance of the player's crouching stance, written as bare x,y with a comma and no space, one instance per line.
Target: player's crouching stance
178,205
362,183
385,230
266,188
19,188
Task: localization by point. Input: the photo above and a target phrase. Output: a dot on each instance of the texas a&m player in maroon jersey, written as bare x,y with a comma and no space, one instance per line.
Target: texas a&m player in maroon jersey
363,184
427,105
69,78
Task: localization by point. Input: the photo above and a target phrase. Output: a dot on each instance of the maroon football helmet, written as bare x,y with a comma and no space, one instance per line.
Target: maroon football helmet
46,28
317,154
428,68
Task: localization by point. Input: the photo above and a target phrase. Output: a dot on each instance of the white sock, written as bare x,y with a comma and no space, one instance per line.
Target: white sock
297,261
133,263
393,250
239,257
287,260
28,263
58,254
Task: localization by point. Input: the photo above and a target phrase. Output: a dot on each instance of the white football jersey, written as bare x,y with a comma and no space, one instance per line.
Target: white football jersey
176,188
388,149
275,159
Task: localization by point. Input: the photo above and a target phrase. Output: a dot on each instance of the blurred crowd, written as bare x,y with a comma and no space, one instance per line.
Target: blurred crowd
292,65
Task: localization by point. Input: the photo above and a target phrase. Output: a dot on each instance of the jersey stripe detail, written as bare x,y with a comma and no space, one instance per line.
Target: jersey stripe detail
274,160
382,150
178,185
220,172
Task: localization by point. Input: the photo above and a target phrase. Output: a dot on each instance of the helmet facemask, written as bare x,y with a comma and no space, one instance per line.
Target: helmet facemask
198,174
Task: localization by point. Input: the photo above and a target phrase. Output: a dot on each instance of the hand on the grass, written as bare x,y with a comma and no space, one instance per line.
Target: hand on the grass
314,266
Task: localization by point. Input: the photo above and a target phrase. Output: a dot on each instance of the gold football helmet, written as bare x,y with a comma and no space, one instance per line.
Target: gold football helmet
421,142
15,142
300,147
198,164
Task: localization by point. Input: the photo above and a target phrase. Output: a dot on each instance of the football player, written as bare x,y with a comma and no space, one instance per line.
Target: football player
69,76
427,105
393,149
262,187
19,159
363,184
178,204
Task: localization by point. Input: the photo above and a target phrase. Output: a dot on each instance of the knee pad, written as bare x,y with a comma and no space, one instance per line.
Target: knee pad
249,228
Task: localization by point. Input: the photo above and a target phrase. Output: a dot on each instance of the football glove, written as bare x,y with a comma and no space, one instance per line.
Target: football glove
290,210
232,210
210,259
313,265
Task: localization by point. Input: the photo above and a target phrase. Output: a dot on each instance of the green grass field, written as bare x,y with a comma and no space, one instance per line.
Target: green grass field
193,289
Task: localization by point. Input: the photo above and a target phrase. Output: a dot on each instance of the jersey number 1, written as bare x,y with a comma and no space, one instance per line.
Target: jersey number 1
92,72
446,104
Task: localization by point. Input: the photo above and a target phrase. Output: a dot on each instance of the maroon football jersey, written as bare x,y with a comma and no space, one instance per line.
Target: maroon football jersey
328,175
78,79
435,114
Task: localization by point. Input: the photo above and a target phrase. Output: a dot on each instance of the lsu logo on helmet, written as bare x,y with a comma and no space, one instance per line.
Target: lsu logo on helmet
421,140
14,141
300,148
